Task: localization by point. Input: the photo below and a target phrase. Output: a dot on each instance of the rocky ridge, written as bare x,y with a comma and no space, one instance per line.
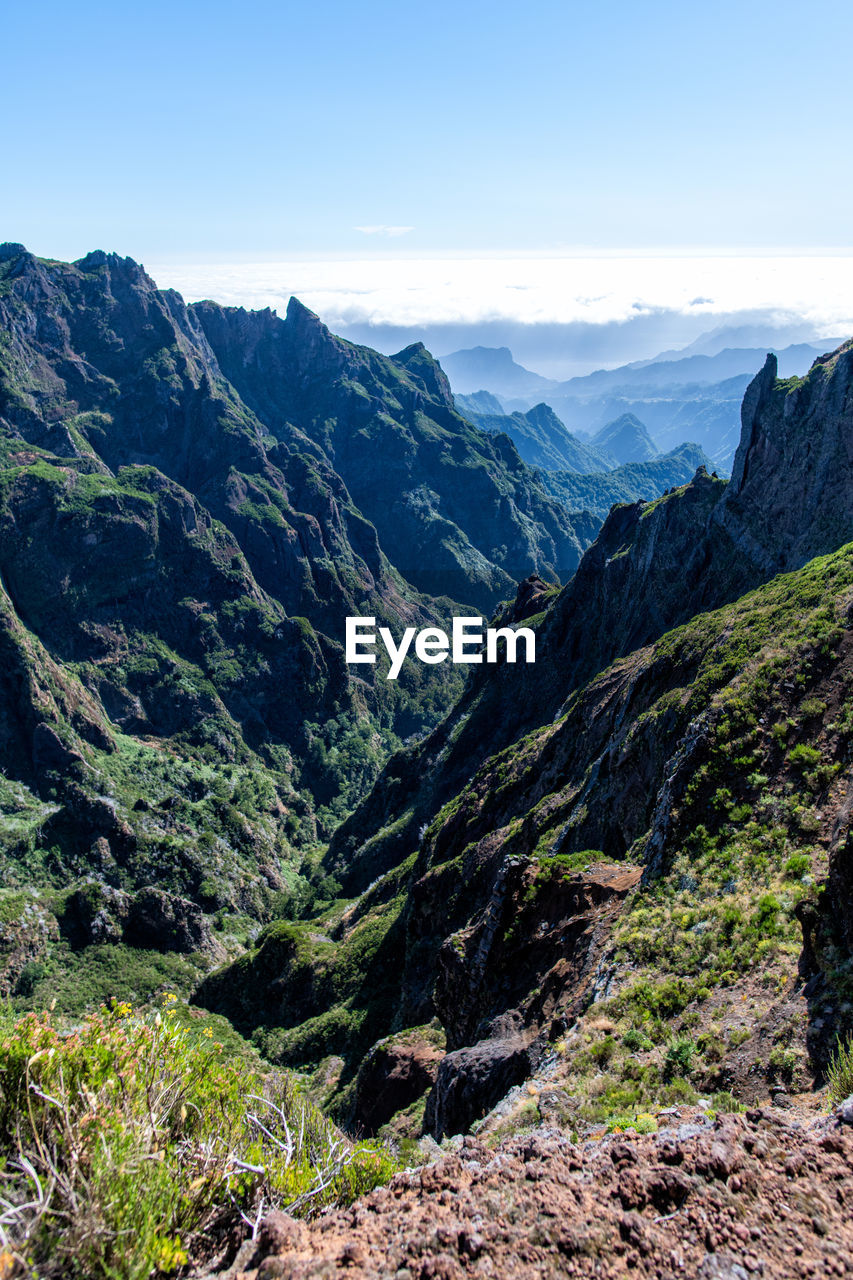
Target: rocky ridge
177,556
764,1194
709,760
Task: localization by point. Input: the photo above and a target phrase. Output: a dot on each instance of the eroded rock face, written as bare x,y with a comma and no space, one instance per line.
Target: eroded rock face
151,918
393,1075
789,497
531,952
26,938
515,978
471,1080
166,922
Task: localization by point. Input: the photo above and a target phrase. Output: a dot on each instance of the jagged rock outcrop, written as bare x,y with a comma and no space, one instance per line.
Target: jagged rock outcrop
471,1080
152,919
456,510
758,1194
393,1075
789,498
636,739
179,547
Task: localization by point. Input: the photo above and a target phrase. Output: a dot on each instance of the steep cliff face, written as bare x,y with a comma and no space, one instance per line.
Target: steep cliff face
681,727
789,498
456,510
652,567
178,555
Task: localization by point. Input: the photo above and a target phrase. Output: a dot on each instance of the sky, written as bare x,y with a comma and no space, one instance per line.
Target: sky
224,135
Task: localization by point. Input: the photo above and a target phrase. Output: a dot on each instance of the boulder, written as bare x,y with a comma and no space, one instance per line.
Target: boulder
471,1080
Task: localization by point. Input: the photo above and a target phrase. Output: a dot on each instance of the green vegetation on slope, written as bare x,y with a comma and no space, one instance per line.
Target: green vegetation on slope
134,1145
629,483
718,781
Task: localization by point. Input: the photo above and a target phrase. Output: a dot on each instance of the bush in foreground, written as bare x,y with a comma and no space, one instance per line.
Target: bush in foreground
839,1075
132,1146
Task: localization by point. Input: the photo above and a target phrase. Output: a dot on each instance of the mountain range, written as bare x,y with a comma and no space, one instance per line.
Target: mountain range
571,896
620,463
178,553
599,849
692,395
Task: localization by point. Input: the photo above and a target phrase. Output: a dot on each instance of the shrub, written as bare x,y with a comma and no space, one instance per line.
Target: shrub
635,1041
724,1101
798,865
839,1075
679,1057
643,1123
766,913
803,756
603,1050
782,1064
126,1141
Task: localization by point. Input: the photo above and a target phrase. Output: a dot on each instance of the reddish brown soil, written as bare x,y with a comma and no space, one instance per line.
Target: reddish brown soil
766,1195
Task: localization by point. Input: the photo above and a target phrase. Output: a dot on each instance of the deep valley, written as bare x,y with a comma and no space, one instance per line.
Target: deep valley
605,897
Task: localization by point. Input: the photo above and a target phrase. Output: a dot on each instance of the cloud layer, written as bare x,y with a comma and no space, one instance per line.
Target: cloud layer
594,290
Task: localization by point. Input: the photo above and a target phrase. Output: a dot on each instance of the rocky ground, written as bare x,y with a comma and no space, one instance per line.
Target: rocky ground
766,1194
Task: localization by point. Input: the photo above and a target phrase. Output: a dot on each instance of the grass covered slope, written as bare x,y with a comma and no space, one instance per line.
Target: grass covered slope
717,763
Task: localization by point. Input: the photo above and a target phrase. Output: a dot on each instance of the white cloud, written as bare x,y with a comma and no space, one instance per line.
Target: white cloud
380,229
531,290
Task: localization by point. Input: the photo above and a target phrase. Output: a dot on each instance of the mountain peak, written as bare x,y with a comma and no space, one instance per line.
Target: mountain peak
116,265
11,249
789,498
298,313
422,364
627,439
306,332
754,400
492,369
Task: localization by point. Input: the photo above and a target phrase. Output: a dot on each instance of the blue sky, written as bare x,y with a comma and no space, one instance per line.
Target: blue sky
199,132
